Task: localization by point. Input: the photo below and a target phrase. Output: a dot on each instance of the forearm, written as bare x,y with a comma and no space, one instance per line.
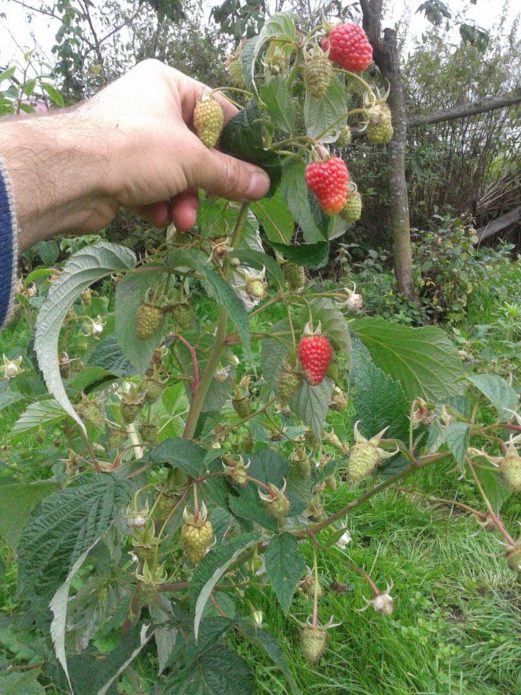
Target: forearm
57,170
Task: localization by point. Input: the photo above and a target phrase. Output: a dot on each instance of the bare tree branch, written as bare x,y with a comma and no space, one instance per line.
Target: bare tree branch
463,110
499,224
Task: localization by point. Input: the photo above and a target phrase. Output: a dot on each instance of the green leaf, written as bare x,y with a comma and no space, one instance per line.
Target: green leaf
217,671
180,453
311,404
280,25
224,295
268,466
16,503
320,113
295,193
7,73
281,105
89,673
494,486
247,505
497,390
47,412
211,568
130,293
275,217
63,526
243,137
273,353
53,94
8,397
269,645
84,268
108,355
24,683
58,606
309,255
165,634
457,438
259,260
423,360
248,57
334,324
285,567
379,400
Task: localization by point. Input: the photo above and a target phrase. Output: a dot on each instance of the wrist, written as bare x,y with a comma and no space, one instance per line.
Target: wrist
57,170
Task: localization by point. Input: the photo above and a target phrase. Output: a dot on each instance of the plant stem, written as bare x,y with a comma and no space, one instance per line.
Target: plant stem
219,344
495,519
421,463
315,588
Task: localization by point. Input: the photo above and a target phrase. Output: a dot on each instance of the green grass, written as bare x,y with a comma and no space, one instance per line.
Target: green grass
456,626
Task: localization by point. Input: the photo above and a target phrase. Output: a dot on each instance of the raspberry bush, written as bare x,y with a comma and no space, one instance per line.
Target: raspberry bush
208,419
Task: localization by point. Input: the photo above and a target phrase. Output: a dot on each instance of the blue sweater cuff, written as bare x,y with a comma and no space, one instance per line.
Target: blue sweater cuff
8,246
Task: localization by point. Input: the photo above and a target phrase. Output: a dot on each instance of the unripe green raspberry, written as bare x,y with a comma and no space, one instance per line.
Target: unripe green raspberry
148,319
152,390
129,411
117,436
91,412
287,385
195,541
317,73
276,502
380,126
276,60
183,316
241,406
208,120
295,275
352,210
380,133
510,468
330,482
344,137
148,433
234,66
300,462
363,459
313,641
278,507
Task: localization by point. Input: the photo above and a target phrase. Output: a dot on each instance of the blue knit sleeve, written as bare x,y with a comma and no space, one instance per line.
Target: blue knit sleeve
8,246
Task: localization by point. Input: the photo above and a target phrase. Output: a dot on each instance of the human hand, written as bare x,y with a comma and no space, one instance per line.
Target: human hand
159,162
130,145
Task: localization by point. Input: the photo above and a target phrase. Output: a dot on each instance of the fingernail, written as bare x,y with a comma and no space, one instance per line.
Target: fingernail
259,184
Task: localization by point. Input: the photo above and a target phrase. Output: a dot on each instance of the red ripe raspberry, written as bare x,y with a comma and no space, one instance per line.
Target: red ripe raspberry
348,47
314,353
328,180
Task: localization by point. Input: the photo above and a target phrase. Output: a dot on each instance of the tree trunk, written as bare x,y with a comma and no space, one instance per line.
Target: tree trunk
386,56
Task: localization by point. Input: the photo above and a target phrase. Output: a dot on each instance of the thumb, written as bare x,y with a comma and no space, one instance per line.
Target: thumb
229,177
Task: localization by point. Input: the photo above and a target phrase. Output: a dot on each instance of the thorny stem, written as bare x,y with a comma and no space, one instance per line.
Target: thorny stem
196,503
414,465
451,503
276,298
193,355
365,577
218,346
315,588
495,519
